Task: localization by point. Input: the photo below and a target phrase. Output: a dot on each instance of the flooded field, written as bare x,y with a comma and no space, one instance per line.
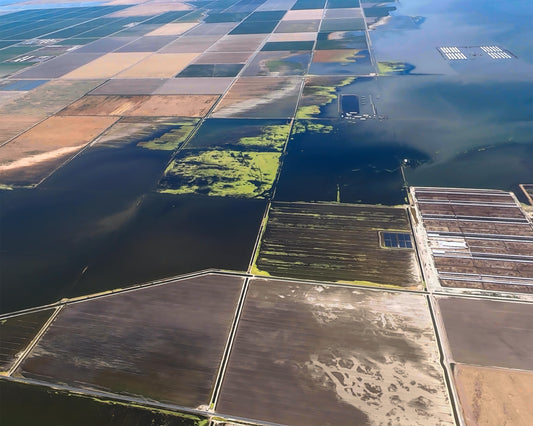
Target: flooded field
321,355
31,157
152,342
279,137
337,242
344,160
61,408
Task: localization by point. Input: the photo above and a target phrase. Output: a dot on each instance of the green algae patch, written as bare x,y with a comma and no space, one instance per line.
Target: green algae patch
271,137
227,173
170,137
394,68
241,134
154,133
318,93
311,126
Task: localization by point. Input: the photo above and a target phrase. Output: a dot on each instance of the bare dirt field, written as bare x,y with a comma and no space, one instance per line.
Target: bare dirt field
316,355
298,15
150,8
488,332
106,66
494,396
12,125
48,98
174,28
31,156
156,342
150,106
159,65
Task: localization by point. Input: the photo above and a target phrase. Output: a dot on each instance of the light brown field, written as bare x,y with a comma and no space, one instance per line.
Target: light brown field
33,155
149,106
223,58
175,28
292,37
340,55
12,125
493,396
106,66
238,43
148,8
48,98
297,15
160,65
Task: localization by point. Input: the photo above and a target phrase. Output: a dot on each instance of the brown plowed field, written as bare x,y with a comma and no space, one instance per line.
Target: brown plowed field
150,106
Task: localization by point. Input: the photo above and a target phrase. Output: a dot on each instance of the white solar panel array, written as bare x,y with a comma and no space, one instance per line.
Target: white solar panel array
452,53
495,52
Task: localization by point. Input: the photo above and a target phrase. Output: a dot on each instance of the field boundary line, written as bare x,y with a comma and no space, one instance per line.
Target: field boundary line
229,346
445,361
34,341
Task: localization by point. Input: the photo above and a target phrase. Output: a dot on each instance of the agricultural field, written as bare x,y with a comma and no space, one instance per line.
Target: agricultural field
488,332
494,395
324,355
142,106
259,97
154,342
32,156
17,332
335,242
465,250
251,144
223,173
159,133
265,135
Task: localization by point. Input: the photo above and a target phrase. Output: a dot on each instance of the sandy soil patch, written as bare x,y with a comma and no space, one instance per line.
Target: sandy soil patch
150,106
107,66
33,155
148,8
292,37
12,125
297,15
175,28
160,65
491,396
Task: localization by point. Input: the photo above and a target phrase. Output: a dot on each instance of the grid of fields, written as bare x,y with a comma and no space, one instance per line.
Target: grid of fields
275,142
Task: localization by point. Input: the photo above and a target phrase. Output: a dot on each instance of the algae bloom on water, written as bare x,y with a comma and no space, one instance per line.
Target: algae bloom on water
247,174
